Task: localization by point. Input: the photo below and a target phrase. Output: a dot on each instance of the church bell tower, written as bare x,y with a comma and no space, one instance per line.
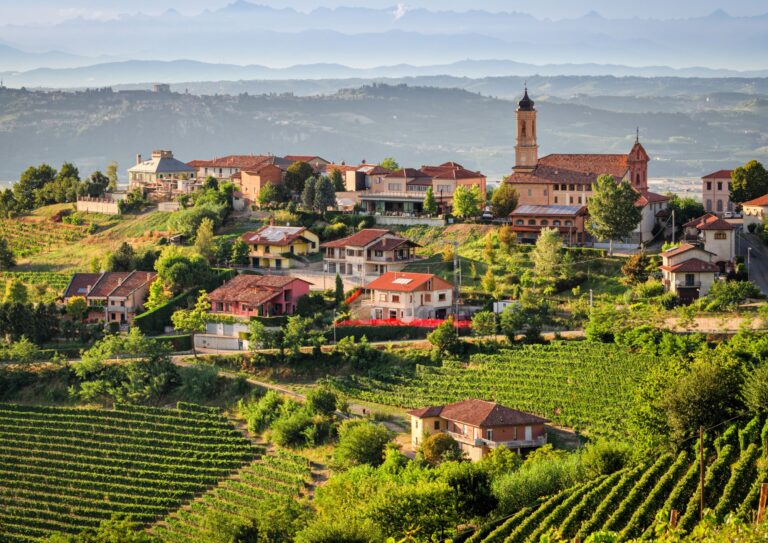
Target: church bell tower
526,147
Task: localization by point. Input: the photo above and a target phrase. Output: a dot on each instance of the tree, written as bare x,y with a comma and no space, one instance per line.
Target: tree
124,259
158,295
547,257
612,210
308,194
437,446
466,201
507,237
361,442
76,307
338,293
445,338
193,320
484,324
112,176
338,180
240,252
637,269
95,186
32,179
115,530
325,195
204,240
489,282
16,292
390,164
296,175
269,194
211,183
685,209
748,182
7,258
321,401
299,332
756,389
504,200
430,204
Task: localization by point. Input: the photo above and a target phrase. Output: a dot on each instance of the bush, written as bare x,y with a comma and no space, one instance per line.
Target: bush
290,429
438,447
259,414
361,442
727,295
605,457
321,401
181,342
198,382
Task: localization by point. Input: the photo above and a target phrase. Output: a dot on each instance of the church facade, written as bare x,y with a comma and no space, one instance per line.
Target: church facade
561,185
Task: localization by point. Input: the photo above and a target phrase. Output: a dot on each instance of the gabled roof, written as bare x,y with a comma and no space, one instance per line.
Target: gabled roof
648,197
479,413
133,282
407,282
373,169
389,244
101,285
719,174
693,265
274,235
450,170
252,289
232,161
80,283
594,164
709,221
358,239
684,248
162,162
305,158
759,202
407,173
549,210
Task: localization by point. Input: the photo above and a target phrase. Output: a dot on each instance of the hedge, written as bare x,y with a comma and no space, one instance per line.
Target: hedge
276,322
153,322
177,343
385,333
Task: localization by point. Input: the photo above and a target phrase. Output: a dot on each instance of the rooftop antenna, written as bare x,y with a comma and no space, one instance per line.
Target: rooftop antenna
637,135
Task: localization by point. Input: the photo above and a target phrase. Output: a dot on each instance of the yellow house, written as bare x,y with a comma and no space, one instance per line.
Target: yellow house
277,247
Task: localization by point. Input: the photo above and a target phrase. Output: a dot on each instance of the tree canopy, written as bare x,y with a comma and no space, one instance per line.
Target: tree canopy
748,182
466,201
612,211
504,200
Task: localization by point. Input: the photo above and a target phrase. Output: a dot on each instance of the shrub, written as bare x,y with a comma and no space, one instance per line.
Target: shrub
198,382
361,442
605,457
438,447
321,401
290,429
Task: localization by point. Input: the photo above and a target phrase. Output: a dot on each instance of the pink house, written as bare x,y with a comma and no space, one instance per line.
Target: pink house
258,295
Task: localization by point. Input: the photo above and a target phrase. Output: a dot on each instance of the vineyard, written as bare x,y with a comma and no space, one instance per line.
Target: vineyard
41,286
263,485
627,502
66,469
27,238
586,386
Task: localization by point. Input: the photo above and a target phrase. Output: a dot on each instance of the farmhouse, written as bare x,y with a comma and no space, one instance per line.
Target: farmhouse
258,295
276,246
409,296
479,426
111,296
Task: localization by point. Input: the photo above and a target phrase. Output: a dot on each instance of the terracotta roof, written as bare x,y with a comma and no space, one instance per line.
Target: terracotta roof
760,201
648,197
389,244
373,169
450,170
303,158
274,235
595,164
133,282
252,289
549,174
358,239
232,161
407,282
406,173
719,174
78,285
108,282
479,413
694,265
709,222
341,167
684,248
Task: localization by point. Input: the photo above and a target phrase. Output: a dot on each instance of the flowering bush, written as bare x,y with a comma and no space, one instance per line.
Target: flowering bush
417,323
354,296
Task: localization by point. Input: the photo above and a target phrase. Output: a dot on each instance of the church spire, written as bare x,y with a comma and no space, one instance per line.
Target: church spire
526,146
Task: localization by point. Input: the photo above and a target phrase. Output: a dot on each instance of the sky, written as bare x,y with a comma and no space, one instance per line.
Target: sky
52,11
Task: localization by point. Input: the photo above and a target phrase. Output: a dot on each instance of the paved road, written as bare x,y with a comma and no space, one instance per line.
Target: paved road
758,260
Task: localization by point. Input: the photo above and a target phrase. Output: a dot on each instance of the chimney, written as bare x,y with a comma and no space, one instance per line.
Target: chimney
119,281
88,289
138,159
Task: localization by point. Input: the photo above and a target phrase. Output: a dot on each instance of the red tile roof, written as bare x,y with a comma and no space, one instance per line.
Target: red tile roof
303,158
760,201
358,239
80,284
274,235
479,413
719,174
684,248
136,280
407,282
648,197
694,265
450,170
709,222
232,161
389,244
595,164
107,283
252,289
406,173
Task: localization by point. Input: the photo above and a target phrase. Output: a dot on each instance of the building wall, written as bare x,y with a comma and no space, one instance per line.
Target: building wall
421,428
706,279
533,193
98,205
754,214
715,195
724,249
252,183
410,305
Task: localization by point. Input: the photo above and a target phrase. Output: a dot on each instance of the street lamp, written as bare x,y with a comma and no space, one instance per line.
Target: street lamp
749,254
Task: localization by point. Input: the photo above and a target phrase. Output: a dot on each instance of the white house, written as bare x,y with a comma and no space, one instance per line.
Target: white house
755,211
408,296
716,235
688,271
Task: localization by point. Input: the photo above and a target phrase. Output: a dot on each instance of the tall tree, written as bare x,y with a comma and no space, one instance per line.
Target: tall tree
325,195
124,259
296,175
32,179
637,269
390,164
612,210
504,200
338,180
158,295
430,204
7,258
269,194
547,257
308,194
204,239
96,185
685,209
112,176
466,201
240,252
16,292
193,320
338,293
748,182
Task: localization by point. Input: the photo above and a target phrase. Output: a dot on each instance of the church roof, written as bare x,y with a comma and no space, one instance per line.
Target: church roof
592,164
526,104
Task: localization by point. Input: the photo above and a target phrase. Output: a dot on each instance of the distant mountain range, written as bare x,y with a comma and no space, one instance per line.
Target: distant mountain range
253,36
142,73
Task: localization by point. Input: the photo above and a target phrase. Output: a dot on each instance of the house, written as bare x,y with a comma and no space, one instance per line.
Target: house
318,163
276,246
372,251
111,296
755,211
253,180
568,179
258,295
716,192
528,220
479,426
224,168
715,235
688,271
162,177
408,296
402,192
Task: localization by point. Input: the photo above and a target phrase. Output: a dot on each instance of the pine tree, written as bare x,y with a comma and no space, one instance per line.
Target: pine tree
338,181
339,291
308,194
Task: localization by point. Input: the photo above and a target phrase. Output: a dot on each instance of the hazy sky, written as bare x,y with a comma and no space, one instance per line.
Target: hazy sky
49,11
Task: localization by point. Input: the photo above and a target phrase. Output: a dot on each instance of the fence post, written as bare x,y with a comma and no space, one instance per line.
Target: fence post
761,506
673,517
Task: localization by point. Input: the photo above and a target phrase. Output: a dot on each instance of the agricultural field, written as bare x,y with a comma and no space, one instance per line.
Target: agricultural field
41,286
66,469
266,483
628,501
26,237
581,385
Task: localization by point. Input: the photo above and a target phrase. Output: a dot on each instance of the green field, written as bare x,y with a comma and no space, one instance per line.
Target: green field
66,469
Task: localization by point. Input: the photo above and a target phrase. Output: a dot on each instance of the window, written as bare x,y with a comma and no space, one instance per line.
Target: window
719,205
571,187
441,297
378,253
395,298
416,424
555,199
382,297
556,222
545,192
579,199
709,185
489,435
394,187
709,205
523,129
266,249
544,222
530,192
720,235
464,429
520,221
532,222
719,185
568,223
437,425
563,187
571,199
427,298
514,433
637,180
690,280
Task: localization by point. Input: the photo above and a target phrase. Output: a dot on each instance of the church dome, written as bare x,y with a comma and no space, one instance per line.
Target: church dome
526,104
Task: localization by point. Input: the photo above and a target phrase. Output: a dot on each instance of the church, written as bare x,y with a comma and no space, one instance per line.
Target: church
554,190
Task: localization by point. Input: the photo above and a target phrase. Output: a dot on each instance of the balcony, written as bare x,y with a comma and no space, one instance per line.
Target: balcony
687,284
513,444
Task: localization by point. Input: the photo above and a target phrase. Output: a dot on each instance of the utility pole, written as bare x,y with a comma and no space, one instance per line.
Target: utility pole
749,266
673,227
701,472
590,301
456,279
